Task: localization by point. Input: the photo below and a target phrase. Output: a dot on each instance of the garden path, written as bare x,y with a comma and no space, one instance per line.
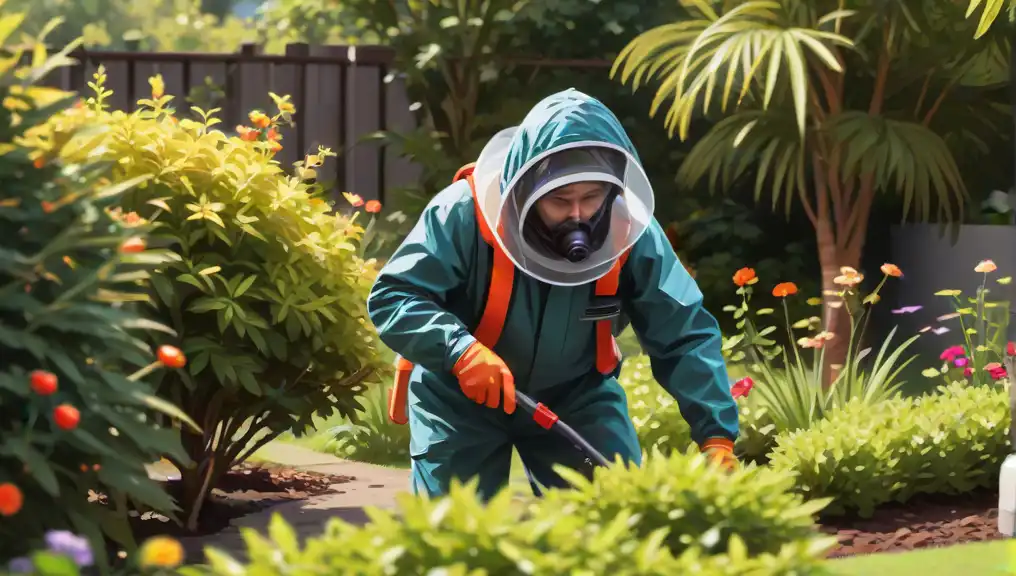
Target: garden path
373,485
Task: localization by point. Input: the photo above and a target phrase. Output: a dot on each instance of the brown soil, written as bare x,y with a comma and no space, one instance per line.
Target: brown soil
926,521
246,489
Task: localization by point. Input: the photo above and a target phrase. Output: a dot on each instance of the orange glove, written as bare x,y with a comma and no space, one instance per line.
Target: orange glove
483,375
720,451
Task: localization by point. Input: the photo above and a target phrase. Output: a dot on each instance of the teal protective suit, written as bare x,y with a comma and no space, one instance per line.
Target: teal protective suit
432,291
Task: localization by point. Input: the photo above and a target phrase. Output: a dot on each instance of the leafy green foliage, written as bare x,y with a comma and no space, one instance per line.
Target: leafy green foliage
659,424
268,296
864,455
78,428
372,437
564,534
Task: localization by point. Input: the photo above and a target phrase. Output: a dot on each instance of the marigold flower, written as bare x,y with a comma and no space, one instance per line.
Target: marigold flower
985,266
744,276
891,270
784,289
373,206
161,551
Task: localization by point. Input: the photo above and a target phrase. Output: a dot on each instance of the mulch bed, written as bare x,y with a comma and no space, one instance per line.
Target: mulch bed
925,522
246,489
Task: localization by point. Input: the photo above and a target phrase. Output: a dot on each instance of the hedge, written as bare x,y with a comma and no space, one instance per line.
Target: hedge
584,532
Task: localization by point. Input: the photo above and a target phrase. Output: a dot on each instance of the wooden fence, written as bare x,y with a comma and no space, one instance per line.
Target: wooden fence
341,94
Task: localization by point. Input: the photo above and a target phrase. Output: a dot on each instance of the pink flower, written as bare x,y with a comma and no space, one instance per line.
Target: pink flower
968,372
742,387
960,362
1010,349
951,353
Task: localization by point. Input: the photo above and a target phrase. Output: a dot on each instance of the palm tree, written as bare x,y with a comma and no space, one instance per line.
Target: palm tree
990,13
832,102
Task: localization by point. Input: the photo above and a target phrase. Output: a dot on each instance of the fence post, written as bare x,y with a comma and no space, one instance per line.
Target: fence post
250,86
299,98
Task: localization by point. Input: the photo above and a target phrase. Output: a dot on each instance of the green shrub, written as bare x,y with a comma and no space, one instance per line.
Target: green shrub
681,493
659,423
863,456
659,525
72,426
268,296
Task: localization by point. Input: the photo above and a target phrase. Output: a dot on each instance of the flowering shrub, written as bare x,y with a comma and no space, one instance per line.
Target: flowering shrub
983,325
266,295
75,432
675,515
793,396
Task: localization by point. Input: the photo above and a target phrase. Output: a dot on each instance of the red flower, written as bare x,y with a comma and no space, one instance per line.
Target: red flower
43,383
171,357
1010,349
373,206
742,387
968,372
11,499
66,417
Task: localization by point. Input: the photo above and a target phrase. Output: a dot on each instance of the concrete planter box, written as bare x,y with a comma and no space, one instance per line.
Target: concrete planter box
931,262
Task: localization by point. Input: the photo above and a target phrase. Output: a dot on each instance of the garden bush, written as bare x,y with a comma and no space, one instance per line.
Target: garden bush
268,293
75,432
659,423
864,455
566,533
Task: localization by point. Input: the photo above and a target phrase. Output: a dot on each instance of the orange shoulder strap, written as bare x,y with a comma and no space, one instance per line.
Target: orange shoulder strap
499,296
607,353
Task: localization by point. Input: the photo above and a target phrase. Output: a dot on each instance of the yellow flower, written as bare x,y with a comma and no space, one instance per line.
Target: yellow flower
161,551
985,266
158,86
259,119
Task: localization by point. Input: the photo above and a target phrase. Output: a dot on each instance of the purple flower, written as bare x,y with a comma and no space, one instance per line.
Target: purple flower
21,565
960,362
907,310
71,545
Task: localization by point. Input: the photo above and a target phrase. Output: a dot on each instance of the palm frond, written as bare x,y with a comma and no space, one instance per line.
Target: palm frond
766,139
902,156
756,43
992,8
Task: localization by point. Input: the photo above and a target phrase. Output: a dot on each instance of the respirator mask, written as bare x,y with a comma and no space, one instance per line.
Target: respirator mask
574,240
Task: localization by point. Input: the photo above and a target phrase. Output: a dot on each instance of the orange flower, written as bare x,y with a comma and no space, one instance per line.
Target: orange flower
354,199
892,270
784,289
48,206
274,146
171,356
248,134
133,245
373,206
985,266
39,162
744,276
272,134
11,499
259,119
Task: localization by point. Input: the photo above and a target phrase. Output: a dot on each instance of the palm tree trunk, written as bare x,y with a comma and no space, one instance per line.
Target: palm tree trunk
835,318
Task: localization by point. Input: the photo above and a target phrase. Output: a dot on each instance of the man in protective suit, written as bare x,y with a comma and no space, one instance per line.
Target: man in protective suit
518,275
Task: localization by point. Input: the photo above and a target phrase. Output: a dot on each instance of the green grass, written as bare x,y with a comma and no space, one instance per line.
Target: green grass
981,558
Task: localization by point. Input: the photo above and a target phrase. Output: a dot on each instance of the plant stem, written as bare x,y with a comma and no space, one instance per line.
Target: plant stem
144,371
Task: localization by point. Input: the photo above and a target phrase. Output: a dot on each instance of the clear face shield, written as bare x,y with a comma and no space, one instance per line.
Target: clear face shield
581,247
